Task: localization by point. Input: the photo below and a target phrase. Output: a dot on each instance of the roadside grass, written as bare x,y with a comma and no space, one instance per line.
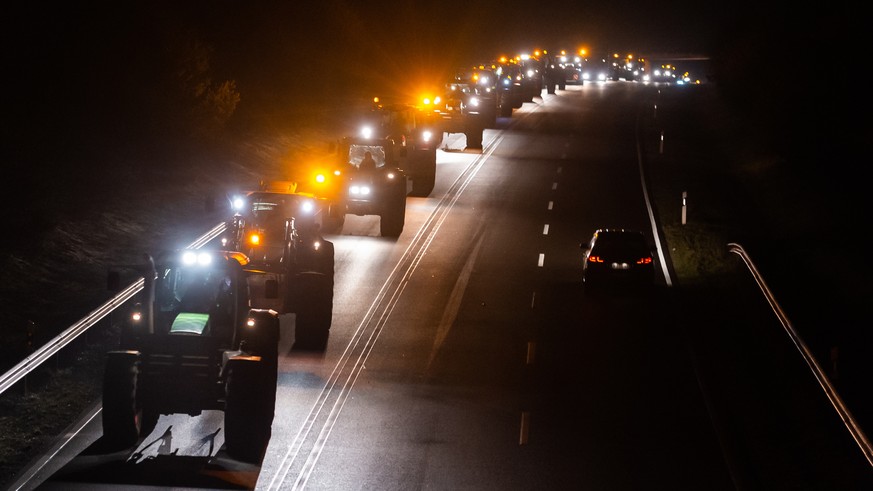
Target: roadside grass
699,253
38,410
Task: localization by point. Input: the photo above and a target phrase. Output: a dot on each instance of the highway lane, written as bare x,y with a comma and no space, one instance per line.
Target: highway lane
492,371
464,354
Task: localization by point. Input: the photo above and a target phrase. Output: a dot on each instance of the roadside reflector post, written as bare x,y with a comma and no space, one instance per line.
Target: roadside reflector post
661,143
684,206
525,428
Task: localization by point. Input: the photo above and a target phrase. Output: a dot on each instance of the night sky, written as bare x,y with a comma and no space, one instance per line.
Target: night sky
78,69
285,37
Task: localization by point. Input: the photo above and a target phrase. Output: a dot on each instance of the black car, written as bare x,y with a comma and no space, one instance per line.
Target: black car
617,257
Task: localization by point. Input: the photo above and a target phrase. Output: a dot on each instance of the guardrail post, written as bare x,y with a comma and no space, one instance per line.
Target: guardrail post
29,333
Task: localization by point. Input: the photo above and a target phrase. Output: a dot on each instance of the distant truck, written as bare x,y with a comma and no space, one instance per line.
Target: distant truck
191,343
279,229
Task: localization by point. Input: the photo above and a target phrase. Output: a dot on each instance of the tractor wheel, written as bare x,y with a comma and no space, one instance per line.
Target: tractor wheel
250,402
315,310
327,260
489,117
474,135
422,184
393,216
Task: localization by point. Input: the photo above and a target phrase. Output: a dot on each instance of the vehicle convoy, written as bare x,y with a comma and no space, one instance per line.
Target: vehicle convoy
193,343
279,230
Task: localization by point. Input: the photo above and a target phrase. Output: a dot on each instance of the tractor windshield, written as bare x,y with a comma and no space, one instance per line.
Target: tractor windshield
357,153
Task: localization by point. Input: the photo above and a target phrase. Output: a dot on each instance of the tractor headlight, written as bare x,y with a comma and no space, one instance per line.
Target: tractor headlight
359,190
199,258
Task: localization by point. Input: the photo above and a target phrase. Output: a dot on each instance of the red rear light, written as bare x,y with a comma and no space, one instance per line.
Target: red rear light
645,260
595,259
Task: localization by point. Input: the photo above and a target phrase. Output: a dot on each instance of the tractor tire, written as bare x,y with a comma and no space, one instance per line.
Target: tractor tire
474,133
288,290
315,310
393,216
327,263
425,178
250,403
121,421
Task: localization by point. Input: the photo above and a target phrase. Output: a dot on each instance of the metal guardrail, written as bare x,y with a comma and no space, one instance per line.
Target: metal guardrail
835,399
37,358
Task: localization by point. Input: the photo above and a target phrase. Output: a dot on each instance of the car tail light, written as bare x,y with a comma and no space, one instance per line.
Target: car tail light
595,259
645,260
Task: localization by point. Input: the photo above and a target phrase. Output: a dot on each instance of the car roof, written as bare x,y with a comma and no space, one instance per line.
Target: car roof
618,231
622,235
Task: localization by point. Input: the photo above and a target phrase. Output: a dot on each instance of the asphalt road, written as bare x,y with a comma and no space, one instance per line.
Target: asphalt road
464,355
